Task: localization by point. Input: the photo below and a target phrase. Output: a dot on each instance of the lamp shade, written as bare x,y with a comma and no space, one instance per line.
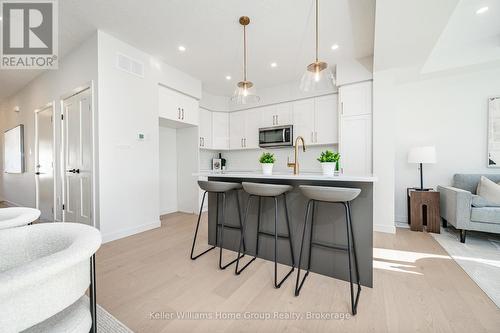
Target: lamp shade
422,155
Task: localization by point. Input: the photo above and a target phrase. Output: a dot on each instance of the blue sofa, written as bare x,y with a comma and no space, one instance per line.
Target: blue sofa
461,207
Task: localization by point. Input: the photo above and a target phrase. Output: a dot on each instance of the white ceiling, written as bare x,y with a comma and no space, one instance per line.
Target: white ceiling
468,38
281,31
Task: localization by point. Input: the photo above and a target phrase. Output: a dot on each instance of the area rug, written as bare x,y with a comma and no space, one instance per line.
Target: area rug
106,323
479,257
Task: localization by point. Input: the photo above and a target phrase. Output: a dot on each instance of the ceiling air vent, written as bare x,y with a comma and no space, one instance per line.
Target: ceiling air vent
129,65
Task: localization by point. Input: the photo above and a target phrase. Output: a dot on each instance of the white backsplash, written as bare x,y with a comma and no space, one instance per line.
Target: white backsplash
248,160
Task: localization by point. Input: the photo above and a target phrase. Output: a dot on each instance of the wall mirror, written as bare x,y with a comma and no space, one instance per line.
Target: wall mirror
14,150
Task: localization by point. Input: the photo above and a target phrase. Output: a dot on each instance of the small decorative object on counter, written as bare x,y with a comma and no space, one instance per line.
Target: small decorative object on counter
223,162
329,162
267,162
216,165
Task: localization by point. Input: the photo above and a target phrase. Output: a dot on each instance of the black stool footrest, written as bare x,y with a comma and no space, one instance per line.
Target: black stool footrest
330,246
265,233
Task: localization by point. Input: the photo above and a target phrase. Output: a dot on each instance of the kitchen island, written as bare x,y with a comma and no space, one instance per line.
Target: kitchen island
329,227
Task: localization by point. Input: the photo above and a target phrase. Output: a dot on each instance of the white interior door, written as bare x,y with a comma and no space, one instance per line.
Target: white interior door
44,162
77,141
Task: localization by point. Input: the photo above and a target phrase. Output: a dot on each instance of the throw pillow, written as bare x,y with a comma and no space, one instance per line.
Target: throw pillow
489,190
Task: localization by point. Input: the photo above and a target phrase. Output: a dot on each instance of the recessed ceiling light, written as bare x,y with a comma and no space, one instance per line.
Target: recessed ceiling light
228,77
181,48
482,10
335,46
273,64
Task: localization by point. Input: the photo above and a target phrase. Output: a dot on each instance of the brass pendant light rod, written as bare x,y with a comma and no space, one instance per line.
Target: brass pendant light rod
317,33
244,21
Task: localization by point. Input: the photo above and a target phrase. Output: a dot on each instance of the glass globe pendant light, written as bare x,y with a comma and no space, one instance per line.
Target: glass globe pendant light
318,76
245,91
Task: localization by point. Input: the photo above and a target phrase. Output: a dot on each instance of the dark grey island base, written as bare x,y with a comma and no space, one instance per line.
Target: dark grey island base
329,227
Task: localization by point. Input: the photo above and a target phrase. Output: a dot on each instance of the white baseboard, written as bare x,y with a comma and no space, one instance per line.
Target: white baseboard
404,225
130,231
390,229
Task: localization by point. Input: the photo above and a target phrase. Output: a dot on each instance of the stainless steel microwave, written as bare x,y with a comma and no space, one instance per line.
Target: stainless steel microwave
277,136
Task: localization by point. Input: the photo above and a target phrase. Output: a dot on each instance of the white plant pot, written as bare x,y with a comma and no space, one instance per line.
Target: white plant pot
328,168
267,168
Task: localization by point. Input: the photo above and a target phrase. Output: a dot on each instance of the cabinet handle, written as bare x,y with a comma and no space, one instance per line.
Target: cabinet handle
182,114
241,143
178,113
200,141
277,120
203,142
316,137
245,142
312,136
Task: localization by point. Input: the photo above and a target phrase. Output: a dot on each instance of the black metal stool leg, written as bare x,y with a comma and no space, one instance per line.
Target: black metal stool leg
276,284
356,270
245,223
92,295
240,221
196,232
354,302
289,231
297,285
222,235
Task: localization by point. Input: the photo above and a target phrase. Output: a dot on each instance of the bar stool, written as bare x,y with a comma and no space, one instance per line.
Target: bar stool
337,195
267,191
220,189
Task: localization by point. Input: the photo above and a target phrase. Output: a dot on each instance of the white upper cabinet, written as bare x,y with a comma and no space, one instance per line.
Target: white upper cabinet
220,130
326,120
303,120
205,129
356,99
252,125
244,129
175,106
276,115
236,130
316,120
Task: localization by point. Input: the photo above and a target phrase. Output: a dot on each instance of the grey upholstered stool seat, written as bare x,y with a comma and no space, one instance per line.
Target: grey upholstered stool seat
265,190
219,189
270,191
330,195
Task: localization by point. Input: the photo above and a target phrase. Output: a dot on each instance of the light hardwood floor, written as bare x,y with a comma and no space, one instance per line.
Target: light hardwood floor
417,288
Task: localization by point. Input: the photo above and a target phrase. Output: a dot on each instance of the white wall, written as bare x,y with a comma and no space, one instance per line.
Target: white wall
168,170
448,110
75,70
129,168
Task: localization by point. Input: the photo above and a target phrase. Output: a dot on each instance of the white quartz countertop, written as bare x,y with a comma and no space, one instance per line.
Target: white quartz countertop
288,176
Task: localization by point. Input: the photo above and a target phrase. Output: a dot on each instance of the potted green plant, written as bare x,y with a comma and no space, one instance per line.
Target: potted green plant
267,162
329,162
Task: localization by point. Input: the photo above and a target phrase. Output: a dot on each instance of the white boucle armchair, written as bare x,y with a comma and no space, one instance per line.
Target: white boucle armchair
17,216
45,270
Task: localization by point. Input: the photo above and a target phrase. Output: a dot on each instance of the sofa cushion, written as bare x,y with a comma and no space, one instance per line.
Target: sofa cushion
485,214
489,190
469,182
479,201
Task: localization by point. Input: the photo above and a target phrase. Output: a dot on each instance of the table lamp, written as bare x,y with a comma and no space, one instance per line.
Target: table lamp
422,155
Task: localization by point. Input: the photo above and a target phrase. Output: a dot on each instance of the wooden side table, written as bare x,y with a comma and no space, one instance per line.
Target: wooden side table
423,209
